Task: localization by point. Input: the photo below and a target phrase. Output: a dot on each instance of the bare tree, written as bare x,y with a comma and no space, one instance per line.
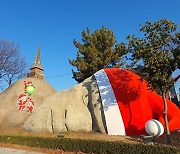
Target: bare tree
12,65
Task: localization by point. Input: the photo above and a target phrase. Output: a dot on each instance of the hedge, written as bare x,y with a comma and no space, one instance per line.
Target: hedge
88,146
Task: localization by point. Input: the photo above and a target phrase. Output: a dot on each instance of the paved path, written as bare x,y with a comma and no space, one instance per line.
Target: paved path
16,151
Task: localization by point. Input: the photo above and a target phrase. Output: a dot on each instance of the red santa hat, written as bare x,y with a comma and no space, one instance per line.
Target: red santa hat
21,96
128,104
28,83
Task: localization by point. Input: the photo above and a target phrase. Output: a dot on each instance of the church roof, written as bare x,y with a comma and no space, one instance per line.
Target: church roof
37,60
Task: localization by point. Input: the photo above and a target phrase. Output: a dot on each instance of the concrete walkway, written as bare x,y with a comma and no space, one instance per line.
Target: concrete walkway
16,151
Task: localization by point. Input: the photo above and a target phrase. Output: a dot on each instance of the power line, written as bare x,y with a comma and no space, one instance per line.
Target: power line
56,76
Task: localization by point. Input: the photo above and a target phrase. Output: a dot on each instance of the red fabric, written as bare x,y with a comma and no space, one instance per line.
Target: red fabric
137,104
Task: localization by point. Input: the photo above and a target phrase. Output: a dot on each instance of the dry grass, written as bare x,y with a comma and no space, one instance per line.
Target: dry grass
83,135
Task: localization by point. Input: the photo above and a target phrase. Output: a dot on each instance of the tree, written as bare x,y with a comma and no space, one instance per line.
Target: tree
157,57
98,50
12,65
176,53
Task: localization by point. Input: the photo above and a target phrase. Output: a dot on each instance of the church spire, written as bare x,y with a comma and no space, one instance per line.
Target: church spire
36,68
37,60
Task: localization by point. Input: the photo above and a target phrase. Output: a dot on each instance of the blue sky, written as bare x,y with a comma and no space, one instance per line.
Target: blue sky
55,23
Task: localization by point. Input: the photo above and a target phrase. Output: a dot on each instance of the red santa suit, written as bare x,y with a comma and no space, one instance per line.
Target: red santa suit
22,100
30,106
128,104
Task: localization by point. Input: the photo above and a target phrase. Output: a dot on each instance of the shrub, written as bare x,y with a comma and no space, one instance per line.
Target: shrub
88,146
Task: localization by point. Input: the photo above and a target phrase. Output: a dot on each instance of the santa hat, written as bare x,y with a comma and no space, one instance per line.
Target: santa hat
128,103
28,83
21,96
123,104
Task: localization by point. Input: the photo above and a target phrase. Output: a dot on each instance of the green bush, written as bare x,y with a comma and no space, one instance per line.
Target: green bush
88,146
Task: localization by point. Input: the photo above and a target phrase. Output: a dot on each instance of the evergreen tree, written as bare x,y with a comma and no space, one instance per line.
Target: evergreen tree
157,56
176,53
98,50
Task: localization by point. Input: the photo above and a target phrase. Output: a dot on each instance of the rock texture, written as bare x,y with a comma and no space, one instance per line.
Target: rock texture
75,109
9,114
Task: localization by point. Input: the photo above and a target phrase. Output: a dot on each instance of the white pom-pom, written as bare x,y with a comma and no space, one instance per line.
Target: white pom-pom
154,127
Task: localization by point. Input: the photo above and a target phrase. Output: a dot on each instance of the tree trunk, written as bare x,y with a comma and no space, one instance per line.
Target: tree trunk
166,119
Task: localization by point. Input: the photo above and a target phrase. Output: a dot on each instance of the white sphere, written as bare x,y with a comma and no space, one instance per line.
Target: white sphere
154,127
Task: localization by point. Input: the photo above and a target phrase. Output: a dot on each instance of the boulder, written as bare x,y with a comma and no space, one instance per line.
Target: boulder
75,109
10,116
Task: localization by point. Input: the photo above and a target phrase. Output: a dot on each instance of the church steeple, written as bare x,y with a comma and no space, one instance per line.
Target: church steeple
36,68
37,60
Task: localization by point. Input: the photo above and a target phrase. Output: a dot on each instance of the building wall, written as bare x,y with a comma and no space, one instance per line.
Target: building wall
36,73
175,92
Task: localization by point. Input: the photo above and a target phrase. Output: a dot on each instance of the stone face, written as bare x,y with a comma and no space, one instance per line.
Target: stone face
9,114
64,110
95,108
76,109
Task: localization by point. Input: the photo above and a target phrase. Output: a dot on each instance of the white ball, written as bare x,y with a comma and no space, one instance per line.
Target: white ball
154,127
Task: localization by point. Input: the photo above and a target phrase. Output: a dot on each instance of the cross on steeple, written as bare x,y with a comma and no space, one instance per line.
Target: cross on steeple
36,68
